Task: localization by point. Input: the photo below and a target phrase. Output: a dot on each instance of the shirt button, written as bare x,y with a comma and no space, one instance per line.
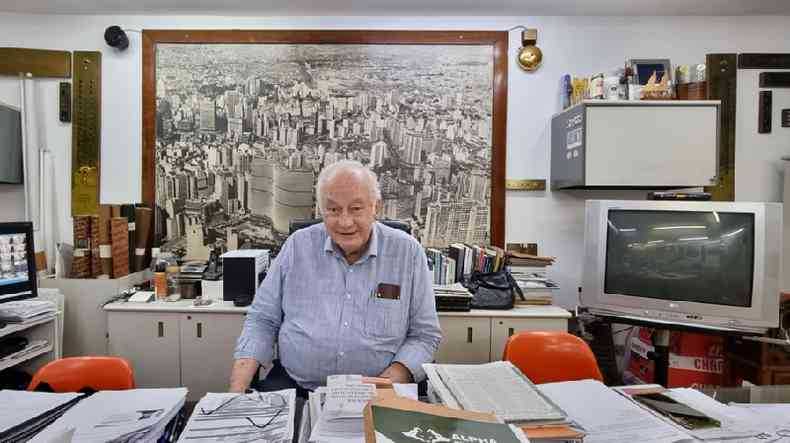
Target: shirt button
342,353
348,296
350,270
345,324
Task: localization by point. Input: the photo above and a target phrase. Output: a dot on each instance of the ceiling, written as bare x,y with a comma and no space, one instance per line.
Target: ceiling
402,7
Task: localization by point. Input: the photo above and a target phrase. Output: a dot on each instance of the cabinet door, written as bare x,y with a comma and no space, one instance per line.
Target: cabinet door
149,341
464,340
504,327
207,345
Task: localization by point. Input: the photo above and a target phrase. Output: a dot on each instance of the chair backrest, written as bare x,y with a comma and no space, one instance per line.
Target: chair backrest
551,356
75,373
296,225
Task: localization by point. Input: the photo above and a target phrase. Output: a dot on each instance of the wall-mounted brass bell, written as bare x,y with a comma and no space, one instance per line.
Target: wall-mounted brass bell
529,56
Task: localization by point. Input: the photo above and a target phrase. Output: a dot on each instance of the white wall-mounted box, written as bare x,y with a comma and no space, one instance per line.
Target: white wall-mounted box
647,144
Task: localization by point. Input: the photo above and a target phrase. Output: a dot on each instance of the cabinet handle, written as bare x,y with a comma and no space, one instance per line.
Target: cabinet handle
509,332
161,329
199,330
469,335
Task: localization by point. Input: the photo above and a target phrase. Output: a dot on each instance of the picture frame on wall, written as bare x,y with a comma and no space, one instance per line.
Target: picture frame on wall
237,125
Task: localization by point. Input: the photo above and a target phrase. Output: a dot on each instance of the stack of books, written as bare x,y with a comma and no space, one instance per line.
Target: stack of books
454,297
530,273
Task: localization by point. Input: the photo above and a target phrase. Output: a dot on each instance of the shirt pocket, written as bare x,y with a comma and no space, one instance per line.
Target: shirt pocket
383,318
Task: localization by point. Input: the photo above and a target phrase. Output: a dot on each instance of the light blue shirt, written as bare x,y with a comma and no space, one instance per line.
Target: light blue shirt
325,314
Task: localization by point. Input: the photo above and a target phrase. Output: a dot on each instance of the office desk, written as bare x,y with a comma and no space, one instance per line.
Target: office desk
178,344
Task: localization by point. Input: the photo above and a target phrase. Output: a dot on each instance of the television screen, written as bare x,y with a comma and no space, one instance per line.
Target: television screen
704,257
10,145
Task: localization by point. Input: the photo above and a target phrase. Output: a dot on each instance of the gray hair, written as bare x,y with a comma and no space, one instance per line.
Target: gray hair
348,167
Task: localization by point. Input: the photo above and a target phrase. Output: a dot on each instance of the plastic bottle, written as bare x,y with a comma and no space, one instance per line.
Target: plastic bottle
173,284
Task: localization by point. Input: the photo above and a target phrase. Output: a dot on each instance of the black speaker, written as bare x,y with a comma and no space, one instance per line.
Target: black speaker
115,37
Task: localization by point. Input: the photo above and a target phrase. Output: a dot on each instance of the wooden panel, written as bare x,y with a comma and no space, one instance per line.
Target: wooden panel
38,62
150,342
504,327
722,82
464,340
86,134
205,335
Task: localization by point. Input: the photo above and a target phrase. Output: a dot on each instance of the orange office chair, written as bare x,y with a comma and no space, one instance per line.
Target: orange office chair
551,356
75,373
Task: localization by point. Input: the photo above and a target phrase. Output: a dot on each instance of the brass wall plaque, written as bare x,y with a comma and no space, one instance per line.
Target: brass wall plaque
525,185
85,133
38,62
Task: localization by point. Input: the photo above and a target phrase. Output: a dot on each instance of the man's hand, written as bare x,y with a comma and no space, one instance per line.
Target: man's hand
398,373
242,373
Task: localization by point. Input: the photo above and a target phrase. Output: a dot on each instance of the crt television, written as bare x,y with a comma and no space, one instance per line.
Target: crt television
10,145
705,264
17,262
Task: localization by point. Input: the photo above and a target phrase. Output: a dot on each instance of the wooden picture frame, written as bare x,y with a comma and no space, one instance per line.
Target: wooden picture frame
440,41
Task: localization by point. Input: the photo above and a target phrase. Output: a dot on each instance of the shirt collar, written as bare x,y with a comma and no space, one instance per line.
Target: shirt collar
373,244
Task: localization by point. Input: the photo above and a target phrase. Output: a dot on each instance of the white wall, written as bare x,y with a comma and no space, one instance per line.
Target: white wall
577,45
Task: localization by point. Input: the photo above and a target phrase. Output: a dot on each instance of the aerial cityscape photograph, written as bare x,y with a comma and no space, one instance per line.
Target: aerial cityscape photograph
243,130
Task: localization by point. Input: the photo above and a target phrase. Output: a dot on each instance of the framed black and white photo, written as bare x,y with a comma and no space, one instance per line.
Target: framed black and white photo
237,125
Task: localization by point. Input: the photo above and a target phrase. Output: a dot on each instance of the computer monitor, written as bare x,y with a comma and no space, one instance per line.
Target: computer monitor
17,262
706,264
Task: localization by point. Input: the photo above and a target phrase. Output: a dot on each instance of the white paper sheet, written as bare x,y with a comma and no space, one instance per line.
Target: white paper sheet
608,417
229,418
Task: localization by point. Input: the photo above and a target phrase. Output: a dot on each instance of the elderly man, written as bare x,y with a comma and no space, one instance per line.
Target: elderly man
347,296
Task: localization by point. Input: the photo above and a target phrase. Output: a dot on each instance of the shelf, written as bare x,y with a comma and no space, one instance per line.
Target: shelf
15,361
10,328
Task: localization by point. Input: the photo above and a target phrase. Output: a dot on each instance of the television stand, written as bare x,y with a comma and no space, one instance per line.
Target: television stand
660,355
660,337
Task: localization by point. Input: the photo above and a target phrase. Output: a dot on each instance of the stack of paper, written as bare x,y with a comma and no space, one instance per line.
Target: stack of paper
31,348
23,414
135,415
608,417
498,388
20,311
340,418
537,288
334,413
229,418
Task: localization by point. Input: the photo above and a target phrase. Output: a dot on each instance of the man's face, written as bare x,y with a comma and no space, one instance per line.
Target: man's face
349,213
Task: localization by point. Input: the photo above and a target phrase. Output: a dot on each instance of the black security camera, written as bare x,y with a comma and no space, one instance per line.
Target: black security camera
115,37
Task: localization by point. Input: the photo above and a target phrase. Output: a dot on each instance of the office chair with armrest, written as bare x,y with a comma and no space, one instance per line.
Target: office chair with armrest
296,225
74,374
551,356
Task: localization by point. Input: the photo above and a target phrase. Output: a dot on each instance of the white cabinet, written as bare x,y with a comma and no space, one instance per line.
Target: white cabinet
479,336
464,340
207,345
503,327
642,144
175,344
150,341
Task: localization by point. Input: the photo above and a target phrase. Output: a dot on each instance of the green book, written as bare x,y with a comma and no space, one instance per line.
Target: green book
403,426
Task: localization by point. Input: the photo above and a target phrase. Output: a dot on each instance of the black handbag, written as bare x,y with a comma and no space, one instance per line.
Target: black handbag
493,290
